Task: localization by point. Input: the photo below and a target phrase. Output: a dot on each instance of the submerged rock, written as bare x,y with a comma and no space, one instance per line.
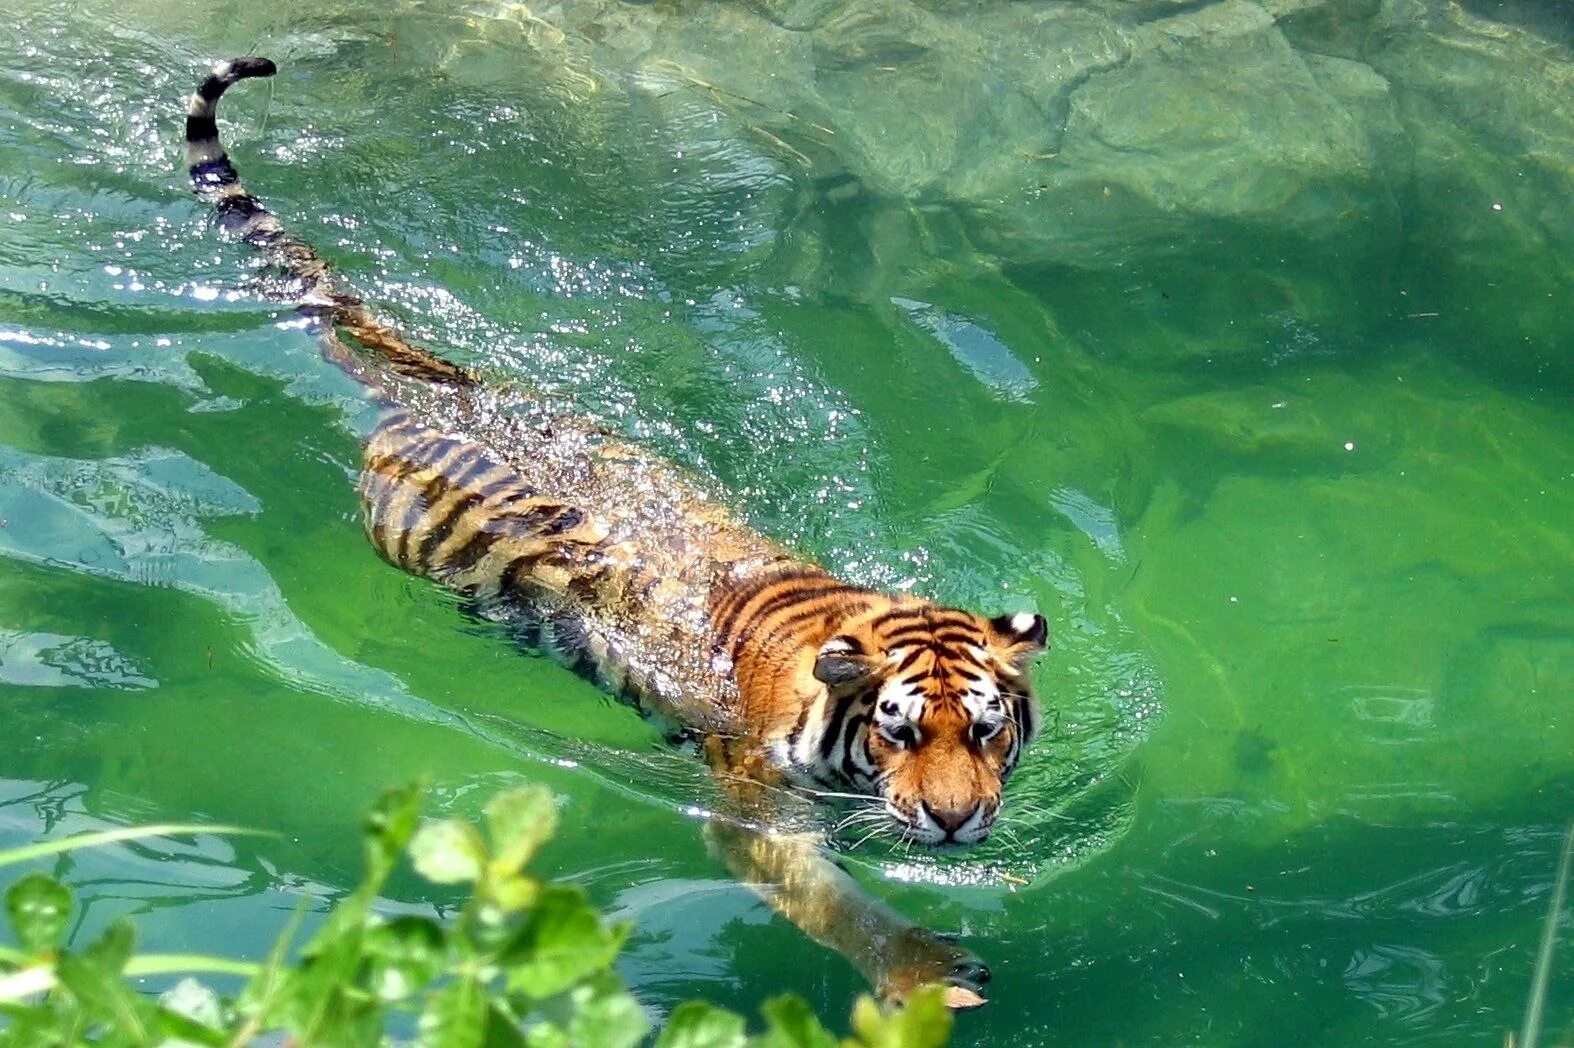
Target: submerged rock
1212,121
1279,142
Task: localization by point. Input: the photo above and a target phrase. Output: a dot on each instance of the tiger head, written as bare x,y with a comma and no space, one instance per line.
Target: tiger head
936,708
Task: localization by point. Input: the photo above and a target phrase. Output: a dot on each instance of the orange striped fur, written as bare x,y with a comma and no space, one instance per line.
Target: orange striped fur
639,581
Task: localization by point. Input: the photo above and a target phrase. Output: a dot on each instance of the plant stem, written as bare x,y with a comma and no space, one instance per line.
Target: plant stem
1530,1032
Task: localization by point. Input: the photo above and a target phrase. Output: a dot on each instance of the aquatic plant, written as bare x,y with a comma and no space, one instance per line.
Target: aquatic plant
525,961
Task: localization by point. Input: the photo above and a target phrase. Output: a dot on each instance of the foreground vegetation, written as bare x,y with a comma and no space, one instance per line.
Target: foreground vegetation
526,962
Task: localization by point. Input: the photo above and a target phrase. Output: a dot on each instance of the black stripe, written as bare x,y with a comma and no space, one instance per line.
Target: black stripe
451,457
406,466
902,614
796,734
956,657
213,174
771,606
874,768
818,608
833,727
467,556
1031,718
434,490
752,587
567,518
494,488
544,519
850,769
910,658
411,520
1018,718
237,212
478,463
435,451
910,633
203,129
520,565
737,598
443,529
213,88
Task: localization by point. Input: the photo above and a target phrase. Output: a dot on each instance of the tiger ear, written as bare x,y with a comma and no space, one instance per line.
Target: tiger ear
1020,637
841,661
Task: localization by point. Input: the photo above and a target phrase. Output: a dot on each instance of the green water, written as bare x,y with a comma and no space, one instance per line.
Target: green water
1257,384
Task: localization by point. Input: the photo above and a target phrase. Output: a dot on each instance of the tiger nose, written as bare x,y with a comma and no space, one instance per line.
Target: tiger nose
951,818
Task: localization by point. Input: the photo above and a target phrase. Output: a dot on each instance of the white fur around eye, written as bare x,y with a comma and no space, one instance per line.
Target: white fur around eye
982,701
909,703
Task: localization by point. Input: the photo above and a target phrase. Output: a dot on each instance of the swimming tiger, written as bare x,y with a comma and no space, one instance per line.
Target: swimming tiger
790,677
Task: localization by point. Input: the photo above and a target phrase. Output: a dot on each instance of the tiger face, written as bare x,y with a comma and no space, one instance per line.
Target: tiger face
938,709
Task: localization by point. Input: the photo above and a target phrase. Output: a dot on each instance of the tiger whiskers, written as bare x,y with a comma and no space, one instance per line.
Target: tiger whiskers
868,816
1020,808
877,831
1010,835
867,797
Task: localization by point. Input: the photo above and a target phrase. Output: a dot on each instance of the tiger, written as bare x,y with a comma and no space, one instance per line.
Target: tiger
788,678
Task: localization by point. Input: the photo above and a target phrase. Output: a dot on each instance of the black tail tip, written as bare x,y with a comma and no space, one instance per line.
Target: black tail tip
249,66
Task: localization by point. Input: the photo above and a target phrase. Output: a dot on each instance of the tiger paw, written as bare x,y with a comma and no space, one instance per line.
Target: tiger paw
961,976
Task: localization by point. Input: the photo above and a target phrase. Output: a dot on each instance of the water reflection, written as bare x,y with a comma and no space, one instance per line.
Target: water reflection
163,882
53,660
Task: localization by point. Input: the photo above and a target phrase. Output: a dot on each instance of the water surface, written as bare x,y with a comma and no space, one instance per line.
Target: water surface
1232,336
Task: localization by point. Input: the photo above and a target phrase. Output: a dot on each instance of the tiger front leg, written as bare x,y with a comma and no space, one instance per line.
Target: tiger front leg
798,881
792,873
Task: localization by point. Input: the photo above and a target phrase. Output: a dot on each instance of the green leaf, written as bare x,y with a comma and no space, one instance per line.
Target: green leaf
262,997
511,893
392,820
179,1031
403,955
330,1010
321,1000
455,1016
57,1026
39,907
94,979
923,1022
112,950
605,1015
555,956
502,1031
545,1035
695,1024
519,820
448,851
562,942
790,1024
